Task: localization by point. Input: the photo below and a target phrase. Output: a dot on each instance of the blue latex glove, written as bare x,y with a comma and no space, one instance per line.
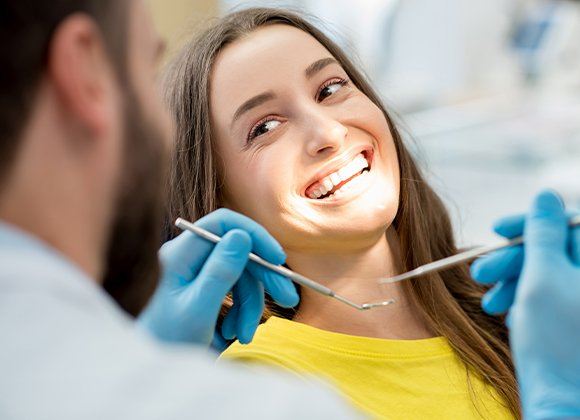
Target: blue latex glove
544,306
197,275
501,268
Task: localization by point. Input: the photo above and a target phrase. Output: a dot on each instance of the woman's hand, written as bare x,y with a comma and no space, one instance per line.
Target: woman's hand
197,276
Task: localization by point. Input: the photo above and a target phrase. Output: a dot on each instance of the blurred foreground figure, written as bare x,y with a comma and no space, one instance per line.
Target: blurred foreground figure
83,143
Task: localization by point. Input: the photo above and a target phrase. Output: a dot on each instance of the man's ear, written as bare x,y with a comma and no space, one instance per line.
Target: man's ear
80,70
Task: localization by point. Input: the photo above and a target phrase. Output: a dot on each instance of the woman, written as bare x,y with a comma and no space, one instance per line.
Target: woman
274,121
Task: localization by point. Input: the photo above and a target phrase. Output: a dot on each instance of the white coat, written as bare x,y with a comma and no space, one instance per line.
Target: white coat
67,351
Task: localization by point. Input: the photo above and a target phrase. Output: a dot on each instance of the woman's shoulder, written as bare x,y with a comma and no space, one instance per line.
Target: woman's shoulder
272,345
273,336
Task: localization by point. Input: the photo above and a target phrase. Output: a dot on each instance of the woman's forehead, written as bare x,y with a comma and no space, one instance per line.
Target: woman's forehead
275,50
266,59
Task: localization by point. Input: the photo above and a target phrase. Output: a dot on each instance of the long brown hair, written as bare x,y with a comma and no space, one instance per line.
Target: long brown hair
450,301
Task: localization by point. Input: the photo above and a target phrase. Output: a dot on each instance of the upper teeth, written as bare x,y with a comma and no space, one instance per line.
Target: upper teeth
327,183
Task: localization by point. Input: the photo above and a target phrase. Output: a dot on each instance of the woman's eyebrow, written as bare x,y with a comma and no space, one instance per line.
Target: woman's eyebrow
252,103
318,65
258,100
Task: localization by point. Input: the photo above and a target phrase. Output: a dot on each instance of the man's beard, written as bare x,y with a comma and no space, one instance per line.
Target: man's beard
132,266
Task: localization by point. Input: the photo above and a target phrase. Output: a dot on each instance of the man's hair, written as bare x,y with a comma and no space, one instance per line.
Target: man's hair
26,31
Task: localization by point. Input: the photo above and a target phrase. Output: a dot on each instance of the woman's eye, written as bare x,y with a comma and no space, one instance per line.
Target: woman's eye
263,128
330,89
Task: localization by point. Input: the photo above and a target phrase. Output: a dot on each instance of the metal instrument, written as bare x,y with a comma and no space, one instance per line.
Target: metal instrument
462,257
295,277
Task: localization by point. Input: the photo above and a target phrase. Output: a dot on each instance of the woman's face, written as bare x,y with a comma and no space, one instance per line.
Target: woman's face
302,150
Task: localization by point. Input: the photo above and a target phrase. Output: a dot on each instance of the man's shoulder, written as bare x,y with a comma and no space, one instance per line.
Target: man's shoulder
95,372
65,357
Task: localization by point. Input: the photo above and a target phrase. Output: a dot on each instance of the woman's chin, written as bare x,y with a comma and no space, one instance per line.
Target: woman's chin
364,220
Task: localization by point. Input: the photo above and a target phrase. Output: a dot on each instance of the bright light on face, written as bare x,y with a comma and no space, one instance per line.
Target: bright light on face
304,152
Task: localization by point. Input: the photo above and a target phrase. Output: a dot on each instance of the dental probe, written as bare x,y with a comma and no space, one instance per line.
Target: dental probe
295,277
462,257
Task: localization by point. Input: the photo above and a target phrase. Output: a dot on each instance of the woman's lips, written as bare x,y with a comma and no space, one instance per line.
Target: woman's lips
330,184
350,188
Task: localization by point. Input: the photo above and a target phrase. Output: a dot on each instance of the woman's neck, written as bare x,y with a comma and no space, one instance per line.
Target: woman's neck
355,275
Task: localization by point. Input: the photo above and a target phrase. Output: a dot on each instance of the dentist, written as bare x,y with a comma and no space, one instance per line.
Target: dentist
83,144
539,285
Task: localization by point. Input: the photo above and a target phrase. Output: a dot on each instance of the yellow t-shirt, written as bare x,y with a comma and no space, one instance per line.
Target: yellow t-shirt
394,379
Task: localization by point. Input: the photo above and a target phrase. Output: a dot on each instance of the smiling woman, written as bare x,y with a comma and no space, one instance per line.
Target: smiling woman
274,121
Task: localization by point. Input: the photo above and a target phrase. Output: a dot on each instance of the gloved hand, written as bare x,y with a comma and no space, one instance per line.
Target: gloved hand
544,306
197,275
501,268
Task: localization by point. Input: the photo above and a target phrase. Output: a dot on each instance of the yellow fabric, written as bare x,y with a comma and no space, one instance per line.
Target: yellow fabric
391,379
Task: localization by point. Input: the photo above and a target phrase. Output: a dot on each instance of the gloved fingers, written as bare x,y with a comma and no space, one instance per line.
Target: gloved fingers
508,319
249,295
500,265
575,245
546,229
263,244
230,321
500,298
281,289
574,240
218,343
513,226
510,226
183,256
220,272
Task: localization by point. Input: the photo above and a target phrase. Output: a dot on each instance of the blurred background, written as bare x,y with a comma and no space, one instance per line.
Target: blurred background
487,92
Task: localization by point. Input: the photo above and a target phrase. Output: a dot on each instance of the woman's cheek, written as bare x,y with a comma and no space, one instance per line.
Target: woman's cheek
379,124
240,186
257,181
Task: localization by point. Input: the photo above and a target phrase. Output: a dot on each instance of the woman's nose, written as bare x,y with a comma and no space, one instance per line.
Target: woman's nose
328,135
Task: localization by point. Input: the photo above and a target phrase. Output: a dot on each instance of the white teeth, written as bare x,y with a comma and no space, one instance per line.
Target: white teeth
334,178
344,173
329,182
322,190
355,166
355,182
